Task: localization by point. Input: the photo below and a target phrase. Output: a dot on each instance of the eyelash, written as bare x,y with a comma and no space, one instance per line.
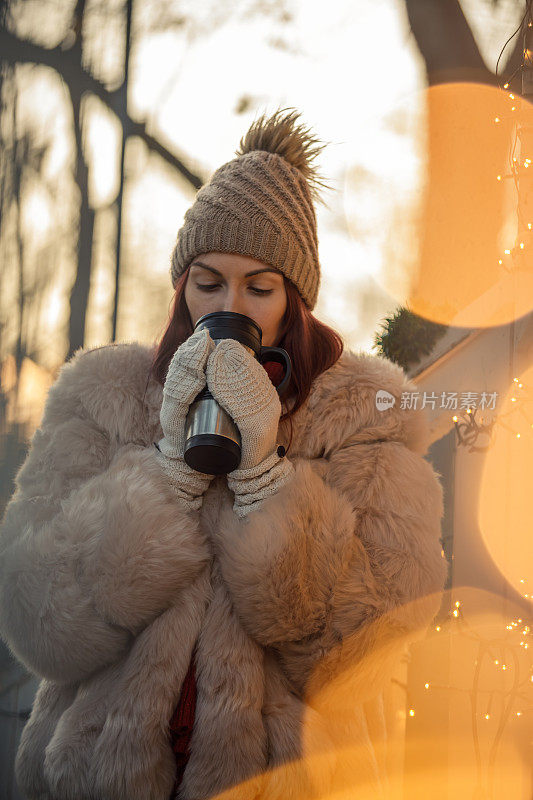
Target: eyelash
210,287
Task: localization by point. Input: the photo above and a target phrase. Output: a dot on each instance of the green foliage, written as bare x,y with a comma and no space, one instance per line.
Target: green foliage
406,337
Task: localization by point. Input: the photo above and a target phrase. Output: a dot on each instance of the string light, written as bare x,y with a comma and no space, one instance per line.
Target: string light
506,652
485,645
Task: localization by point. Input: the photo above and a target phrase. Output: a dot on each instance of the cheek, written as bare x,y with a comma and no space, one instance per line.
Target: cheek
196,309
197,303
272,318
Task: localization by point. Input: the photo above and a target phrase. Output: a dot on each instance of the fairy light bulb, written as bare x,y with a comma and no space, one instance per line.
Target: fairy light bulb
411,712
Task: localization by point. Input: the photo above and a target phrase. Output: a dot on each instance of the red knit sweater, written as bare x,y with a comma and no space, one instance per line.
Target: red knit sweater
181,723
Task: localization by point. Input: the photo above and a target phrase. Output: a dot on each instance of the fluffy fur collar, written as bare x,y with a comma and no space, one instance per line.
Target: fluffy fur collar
340,410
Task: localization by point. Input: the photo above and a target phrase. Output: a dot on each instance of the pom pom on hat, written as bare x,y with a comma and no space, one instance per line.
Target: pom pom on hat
295,143
260,204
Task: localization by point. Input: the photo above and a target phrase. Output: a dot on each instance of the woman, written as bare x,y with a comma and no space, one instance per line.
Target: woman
248,622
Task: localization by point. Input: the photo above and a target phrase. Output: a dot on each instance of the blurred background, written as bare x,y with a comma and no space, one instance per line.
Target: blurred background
113,113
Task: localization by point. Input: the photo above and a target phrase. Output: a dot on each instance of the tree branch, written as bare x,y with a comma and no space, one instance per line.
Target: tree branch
446,42
14,50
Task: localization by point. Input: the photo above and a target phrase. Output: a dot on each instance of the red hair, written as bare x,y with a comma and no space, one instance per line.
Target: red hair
312,346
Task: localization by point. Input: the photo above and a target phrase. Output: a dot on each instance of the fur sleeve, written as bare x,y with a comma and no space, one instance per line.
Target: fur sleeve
346,543
93,545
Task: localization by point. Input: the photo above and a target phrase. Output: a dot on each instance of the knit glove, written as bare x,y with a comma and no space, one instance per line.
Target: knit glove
242,387
185,378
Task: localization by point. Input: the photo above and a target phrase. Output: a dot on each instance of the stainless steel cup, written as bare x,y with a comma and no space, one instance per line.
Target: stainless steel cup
212,439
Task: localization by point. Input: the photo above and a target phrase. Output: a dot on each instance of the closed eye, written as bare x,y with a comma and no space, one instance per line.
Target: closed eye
207,287
210,287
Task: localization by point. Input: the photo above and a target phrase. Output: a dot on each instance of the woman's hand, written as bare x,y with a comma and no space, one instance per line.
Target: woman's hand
185,379
242,387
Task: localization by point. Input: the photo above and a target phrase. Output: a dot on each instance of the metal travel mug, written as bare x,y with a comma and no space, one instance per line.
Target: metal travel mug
212,439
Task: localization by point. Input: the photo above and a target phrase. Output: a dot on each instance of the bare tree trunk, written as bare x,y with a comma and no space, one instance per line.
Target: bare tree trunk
79,296
446,42
123,116
17,179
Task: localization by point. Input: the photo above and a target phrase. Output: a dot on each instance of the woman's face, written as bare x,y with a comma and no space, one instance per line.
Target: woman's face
231,282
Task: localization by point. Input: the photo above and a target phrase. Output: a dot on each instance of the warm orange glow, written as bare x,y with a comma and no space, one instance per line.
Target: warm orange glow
469,220
504,498
353,744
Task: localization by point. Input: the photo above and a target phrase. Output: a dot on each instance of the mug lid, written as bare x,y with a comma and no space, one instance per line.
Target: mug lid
232,325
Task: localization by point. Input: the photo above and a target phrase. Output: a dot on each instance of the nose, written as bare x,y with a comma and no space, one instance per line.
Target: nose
232,303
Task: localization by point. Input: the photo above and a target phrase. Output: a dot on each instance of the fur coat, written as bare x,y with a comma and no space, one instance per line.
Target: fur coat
299,613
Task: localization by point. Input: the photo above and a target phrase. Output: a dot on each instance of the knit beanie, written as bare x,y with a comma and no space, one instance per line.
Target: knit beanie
260,204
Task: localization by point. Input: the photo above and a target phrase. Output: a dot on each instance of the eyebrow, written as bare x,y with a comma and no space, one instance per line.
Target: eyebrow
248,274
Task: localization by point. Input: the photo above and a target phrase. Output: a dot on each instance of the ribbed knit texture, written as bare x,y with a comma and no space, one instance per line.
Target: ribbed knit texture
242,386
259,205
184,380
